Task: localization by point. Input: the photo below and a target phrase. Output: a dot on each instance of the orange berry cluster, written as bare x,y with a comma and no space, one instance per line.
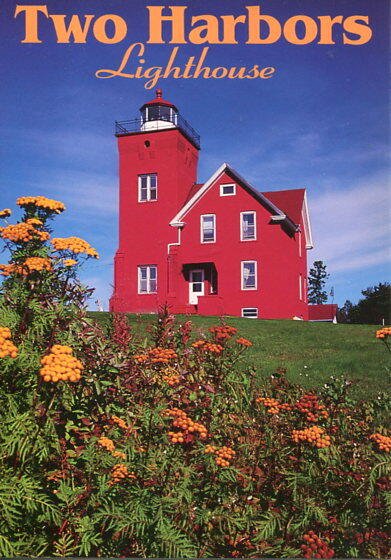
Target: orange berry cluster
22,233
383,333
140,358
34,222
69,262
171,377
119,454
223,455
273,405
37,264
314,435
208,346
315,547
161,355
6,213
7,347
156,356
383,442
7,269
309,405
75,245
106,443
61,365
244,341
41,202
121,423
223,332
187,426
120,472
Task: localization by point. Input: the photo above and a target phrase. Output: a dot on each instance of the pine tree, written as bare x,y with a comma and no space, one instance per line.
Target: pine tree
316,282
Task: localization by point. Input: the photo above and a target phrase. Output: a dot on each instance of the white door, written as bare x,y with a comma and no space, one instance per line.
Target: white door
196,285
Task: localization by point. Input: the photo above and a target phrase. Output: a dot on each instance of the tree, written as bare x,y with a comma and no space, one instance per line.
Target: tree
372,309
316,282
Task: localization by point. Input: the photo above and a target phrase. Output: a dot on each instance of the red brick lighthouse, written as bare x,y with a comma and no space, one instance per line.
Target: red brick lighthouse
221,247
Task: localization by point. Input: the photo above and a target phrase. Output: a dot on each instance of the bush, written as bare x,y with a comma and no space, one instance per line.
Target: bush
113,446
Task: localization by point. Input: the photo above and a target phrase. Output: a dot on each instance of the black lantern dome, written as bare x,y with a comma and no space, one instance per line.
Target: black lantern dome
158,113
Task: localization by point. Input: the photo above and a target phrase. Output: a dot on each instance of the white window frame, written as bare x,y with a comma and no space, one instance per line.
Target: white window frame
222,193
242,238
202,228
299,243
242,275
255,309
300,287
148,176
148,279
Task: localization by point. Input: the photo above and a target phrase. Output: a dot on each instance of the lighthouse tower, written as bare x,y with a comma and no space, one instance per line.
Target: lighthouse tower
158,159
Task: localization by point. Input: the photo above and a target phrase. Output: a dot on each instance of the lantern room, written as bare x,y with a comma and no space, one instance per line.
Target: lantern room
158,114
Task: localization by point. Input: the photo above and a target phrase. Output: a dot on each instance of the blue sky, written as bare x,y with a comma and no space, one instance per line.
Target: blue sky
320,123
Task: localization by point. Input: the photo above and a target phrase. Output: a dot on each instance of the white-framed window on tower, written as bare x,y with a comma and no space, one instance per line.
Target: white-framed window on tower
249,275
147,279
147,187
208,228
248,226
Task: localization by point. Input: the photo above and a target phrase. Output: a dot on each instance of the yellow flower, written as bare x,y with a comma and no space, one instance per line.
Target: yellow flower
69,262
41,202
6,213
75,245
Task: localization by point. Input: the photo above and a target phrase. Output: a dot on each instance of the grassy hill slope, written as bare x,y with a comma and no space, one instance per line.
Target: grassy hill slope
311,352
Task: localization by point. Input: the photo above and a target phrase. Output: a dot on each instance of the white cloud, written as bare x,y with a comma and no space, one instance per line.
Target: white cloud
351,227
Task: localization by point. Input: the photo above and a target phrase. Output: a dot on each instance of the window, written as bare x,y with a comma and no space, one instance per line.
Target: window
300,288
249,275
248,226
147,187
147,279
228,190
250,312
299,243
208,228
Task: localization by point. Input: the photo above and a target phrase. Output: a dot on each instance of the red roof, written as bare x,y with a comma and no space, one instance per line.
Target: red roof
290,202
159,101
322,312
192,191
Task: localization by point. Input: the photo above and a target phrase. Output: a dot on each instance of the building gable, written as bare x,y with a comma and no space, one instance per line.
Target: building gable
199,191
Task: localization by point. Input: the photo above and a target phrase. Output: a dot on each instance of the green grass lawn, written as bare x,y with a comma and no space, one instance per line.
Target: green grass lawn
311,352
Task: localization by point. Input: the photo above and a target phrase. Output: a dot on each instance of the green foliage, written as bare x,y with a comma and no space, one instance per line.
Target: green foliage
63,443
316,282
372,309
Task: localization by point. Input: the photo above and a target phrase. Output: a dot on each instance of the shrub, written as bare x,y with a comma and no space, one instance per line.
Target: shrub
116,446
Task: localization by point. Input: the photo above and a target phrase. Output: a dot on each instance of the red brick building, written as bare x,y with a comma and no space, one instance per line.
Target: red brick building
221,247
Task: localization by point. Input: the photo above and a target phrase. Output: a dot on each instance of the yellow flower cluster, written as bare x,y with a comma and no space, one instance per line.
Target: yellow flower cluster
61,365
7,269
6,213
37,264
75,245
69,262
41,202
22,233
34,222
7,347
31,264
120,472
383,442
314,435
383,333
